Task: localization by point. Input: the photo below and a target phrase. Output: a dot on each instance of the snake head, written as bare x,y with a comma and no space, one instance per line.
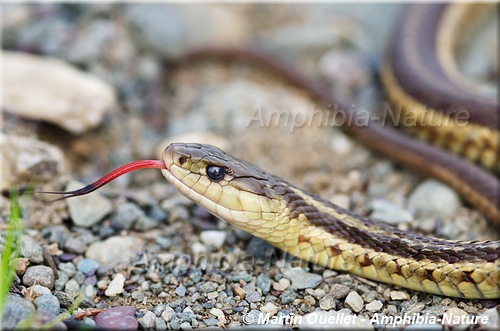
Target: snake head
229,188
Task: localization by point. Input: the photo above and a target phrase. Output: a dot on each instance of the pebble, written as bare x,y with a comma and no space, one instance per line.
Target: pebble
492,317
115,287
167,314
68,268
64,299
288,296
269,308
119,318
87,210
327,302
72,289
31,250
281,285
114,250
220,316
213,238
339,291
388,212
15,310
452,316
264,283
126,214
26,159
253,296
302,279
160,324
40,290
433,199
59,93
173,29
47,303
21,264
374,306
88,266
399,295
354,301
148,321
41,275
180,291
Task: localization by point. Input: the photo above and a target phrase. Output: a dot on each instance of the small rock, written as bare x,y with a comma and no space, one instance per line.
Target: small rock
490,319
253,296
211,321
354,301
288,296
399,295
114,250
59,93
88,266
40,275
40,290
180,291
212,295
220,316
452,317
388,212
264,283
302,279
167,314
269,308
26,159
148,320
72,289
64,300
433,199
87,210
119,318
339,291
21,264
68,268
281,285
374,306
160,324
213,238
126,214
327,302
15,310
31,250
47,303
115,287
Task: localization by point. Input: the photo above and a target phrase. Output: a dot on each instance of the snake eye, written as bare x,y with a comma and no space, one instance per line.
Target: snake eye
215,173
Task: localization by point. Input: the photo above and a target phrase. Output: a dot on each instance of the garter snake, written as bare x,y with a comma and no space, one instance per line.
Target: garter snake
316,230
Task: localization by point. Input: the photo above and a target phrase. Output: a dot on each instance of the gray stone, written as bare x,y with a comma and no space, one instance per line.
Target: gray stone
114,250
388,212
148,321
167,314
15,310
264,283
87,266
253,296
288,296
72,289
87,210
433,199
302,279
160,324
339,291
47,303
211,321
64,300
374,306
75,244
40,275
31,250
354,301
126,214
327,302
180,291
68,268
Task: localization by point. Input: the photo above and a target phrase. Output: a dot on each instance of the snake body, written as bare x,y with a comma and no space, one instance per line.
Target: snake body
318,231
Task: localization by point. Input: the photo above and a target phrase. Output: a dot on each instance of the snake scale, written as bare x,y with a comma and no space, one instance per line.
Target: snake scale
417,74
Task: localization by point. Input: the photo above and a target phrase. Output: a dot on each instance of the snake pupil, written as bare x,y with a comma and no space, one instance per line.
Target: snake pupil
215,173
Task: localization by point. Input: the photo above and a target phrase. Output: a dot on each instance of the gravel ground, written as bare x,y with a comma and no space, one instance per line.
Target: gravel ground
139,247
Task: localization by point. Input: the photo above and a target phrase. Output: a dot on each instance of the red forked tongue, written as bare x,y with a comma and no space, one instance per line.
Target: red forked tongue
142,164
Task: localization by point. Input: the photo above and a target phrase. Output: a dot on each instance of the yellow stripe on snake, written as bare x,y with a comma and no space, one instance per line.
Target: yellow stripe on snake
315,230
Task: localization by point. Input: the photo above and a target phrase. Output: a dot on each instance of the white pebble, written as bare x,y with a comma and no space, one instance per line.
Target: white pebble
354,301
433,199
399,295
374,306
213,238
116,286
269,308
